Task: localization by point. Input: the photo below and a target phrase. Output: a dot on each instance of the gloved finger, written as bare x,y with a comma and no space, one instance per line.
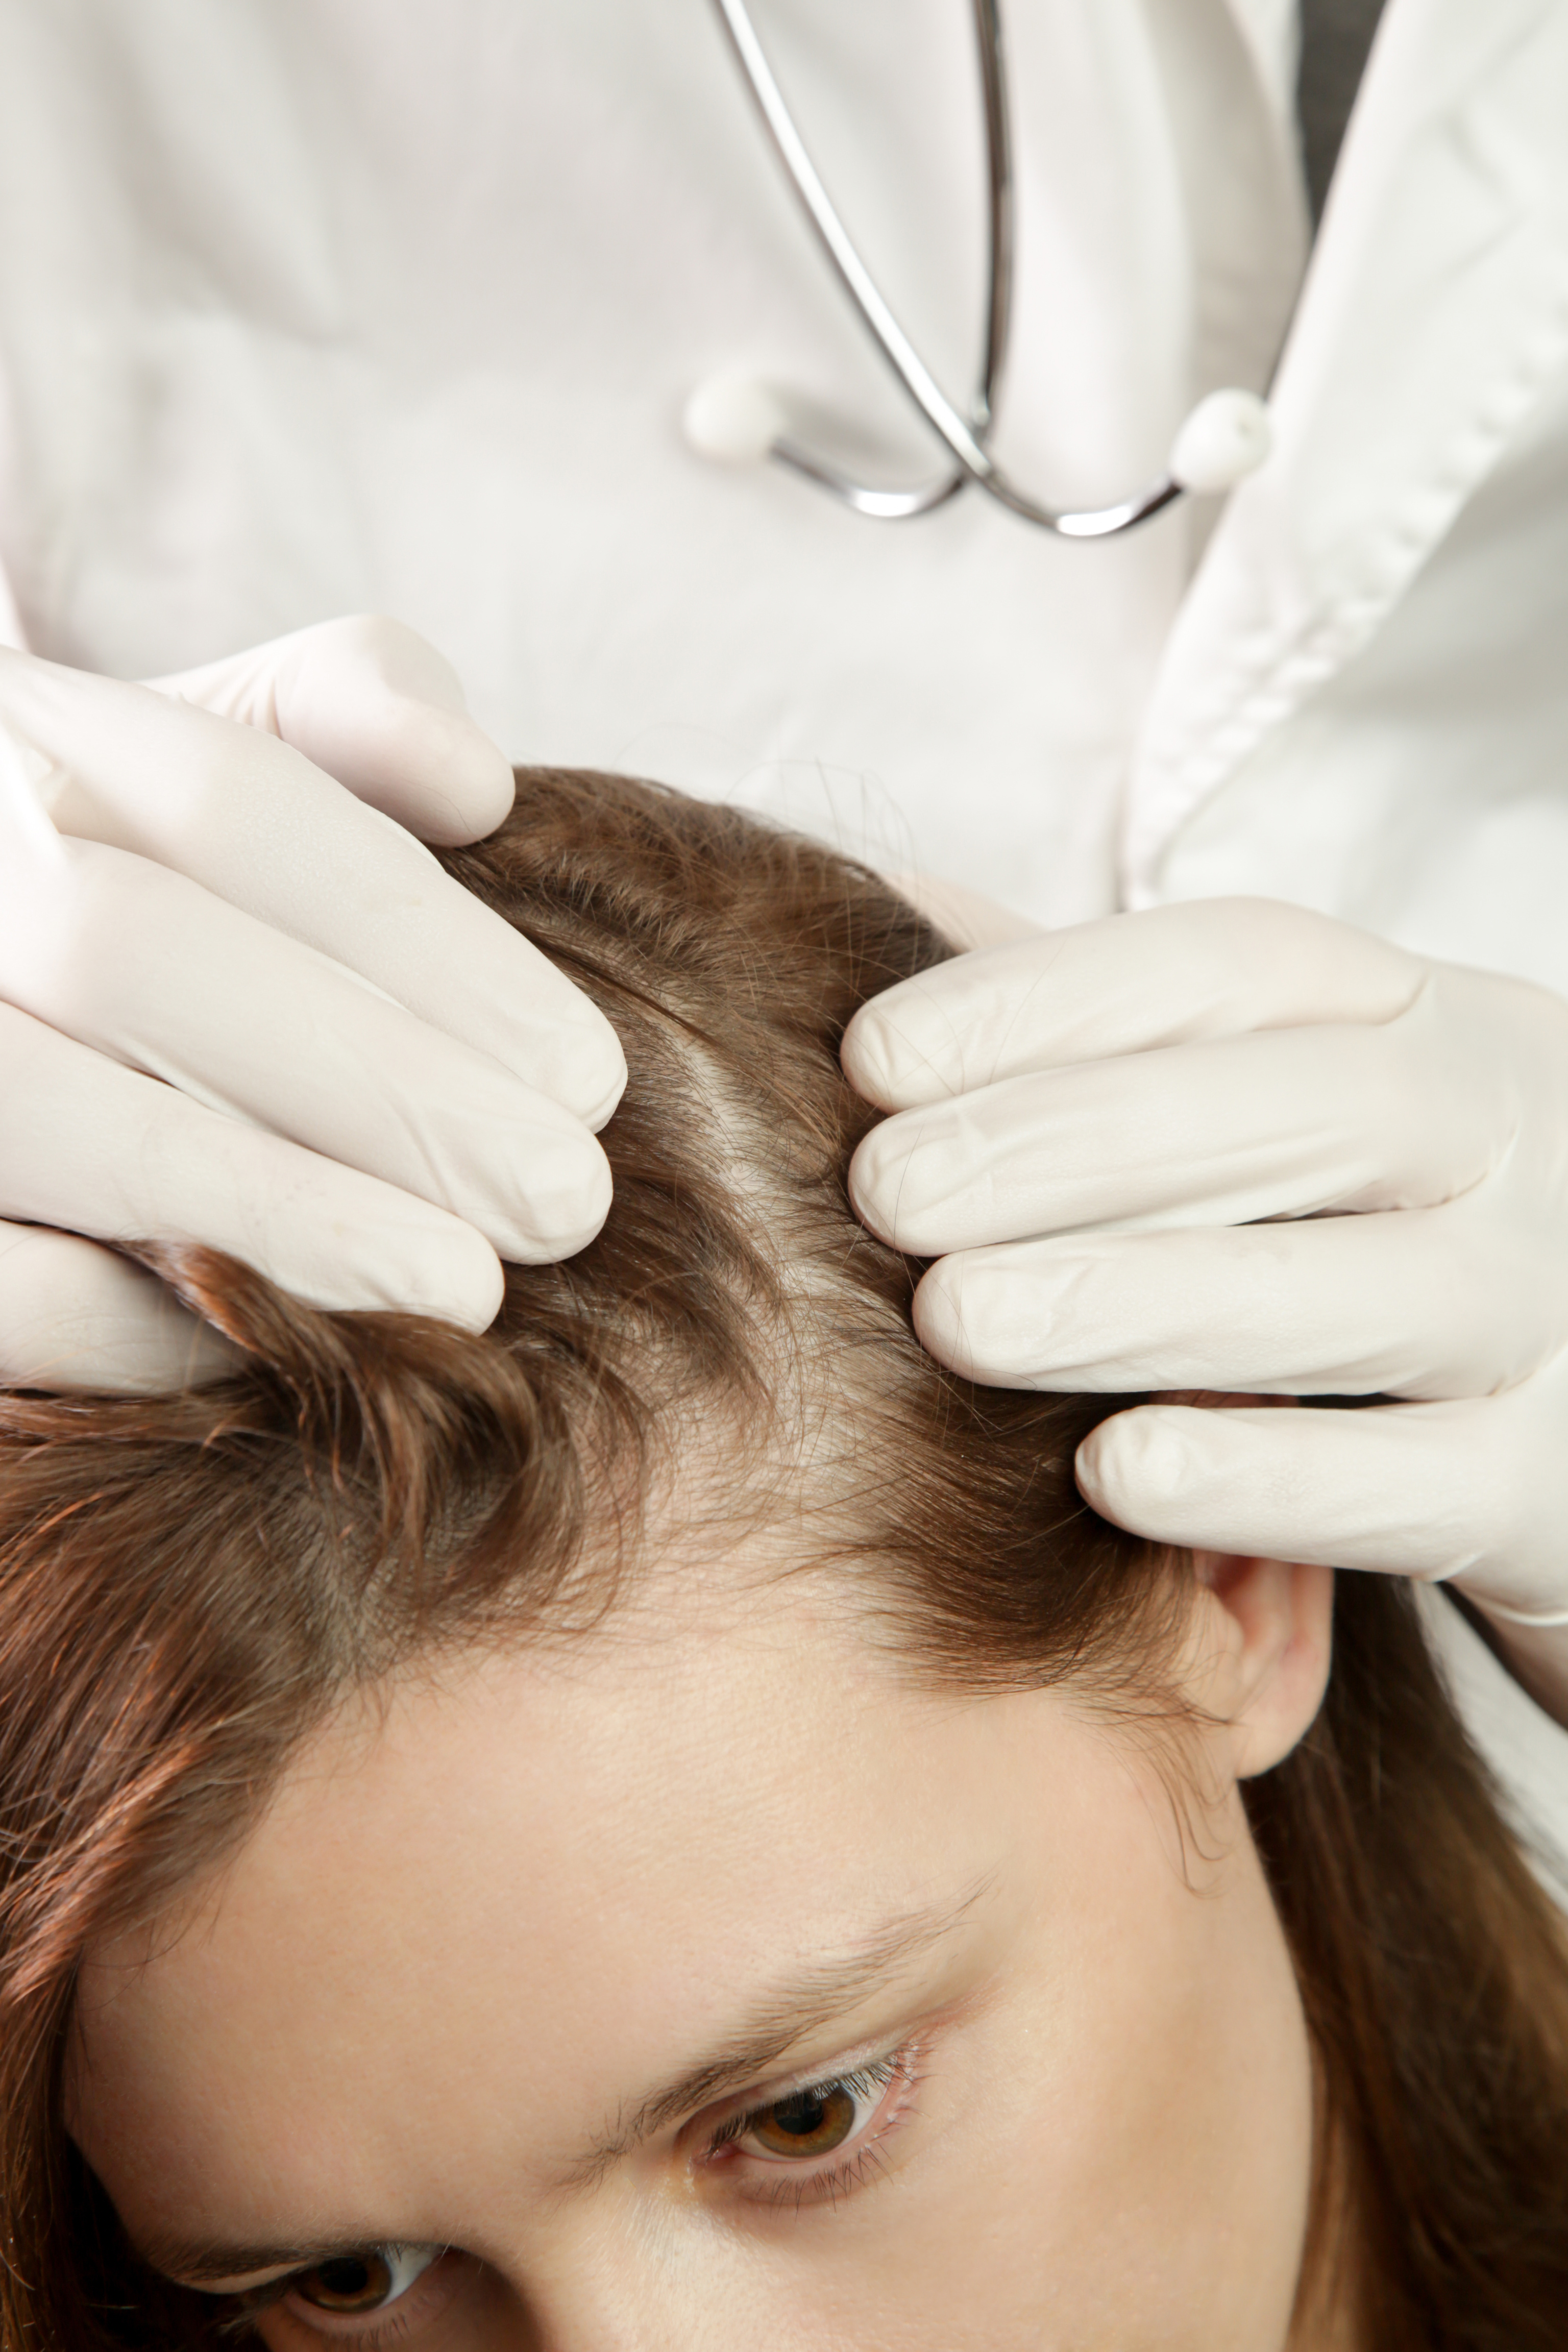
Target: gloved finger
1285,1123
377,706
1420,1303
73,1316
101,946
1213,968
1431,1491
106,1152
253,821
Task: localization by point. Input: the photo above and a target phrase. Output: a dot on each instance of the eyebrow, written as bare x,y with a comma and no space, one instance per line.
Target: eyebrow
794,2012
791,2012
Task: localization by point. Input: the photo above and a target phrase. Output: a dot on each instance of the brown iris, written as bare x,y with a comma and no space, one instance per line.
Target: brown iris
350,2283
808,2123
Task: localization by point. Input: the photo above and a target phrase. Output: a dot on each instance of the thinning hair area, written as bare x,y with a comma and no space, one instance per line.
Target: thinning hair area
190,1583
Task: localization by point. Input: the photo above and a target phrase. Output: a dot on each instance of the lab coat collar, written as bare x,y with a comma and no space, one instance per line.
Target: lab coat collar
1435,312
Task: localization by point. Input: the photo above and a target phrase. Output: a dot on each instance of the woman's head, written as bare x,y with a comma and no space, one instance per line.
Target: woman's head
523,1939
679,1798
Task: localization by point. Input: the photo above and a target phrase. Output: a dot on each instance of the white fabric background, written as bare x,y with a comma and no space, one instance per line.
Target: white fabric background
311,305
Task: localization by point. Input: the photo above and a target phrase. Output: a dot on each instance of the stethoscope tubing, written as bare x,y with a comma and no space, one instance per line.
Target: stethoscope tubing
964,437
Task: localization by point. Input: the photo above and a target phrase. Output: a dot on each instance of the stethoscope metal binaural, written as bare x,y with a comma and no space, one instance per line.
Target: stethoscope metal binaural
738,419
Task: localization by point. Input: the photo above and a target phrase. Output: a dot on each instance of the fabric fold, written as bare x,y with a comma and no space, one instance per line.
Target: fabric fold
1434,317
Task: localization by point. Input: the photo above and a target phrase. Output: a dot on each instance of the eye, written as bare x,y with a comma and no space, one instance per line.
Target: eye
361,2285
817,2120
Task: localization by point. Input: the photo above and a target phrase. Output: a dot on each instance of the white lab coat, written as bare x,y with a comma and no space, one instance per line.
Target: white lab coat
310,306
306,305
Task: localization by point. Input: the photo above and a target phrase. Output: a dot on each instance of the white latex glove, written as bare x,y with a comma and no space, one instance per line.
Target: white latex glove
1236,1147
370,1084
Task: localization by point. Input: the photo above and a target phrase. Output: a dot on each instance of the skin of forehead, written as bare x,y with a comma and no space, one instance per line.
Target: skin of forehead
698,1778
487,1912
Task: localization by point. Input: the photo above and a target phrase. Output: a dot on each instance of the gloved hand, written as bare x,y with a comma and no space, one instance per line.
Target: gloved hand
1236,1147
371,1084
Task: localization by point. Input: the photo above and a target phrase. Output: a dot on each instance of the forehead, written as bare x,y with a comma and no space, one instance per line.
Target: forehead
517,1884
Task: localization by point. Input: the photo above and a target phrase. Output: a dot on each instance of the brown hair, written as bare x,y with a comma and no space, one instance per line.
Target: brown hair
188,1583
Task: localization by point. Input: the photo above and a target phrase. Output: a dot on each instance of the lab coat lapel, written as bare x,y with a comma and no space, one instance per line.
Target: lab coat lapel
1270,30
1434,311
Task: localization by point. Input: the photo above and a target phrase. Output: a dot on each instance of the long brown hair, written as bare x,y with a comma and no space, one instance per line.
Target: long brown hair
188,1583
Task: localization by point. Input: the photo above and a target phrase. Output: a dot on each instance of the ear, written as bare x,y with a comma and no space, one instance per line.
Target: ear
1266,1640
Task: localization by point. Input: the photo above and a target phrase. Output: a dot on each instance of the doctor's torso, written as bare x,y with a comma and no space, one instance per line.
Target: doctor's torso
311,306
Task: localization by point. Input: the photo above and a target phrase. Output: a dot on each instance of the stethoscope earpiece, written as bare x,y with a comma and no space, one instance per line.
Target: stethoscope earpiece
734,419
1226,437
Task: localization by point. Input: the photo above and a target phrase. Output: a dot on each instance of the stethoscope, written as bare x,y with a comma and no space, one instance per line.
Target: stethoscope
740,419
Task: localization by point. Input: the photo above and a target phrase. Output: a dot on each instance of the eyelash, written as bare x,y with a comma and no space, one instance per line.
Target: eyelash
794,2185
390,2326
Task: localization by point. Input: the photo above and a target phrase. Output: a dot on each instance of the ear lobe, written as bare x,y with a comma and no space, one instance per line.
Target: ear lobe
1269,1642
